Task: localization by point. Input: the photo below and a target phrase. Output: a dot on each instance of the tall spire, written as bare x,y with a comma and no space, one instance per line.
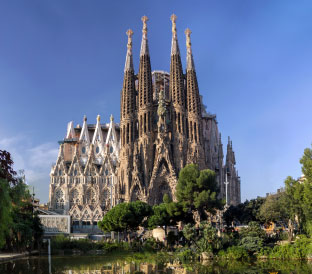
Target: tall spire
193,98
177,91
128,90
129,59
145,74
189,55
174,41
144,44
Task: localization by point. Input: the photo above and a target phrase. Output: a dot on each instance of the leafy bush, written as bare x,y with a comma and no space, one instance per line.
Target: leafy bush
253,230
251,244
234,253
185,255
300,249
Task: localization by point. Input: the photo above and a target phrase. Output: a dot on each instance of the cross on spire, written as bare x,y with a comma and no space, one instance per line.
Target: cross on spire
144,20
188,38
129,34
173,19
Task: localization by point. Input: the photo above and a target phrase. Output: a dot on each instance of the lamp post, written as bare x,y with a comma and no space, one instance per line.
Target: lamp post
226,189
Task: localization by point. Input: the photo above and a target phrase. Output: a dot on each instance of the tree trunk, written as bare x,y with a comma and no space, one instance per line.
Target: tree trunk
129,240
290,230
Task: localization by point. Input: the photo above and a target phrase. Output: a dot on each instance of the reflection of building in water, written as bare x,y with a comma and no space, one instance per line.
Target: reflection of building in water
123,267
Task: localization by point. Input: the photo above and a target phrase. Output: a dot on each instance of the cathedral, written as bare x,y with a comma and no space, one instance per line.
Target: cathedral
163,127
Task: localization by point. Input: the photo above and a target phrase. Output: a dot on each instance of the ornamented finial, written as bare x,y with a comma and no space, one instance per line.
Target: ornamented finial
112,117
84,118
188,38
173,19
129,34
98,118
144,20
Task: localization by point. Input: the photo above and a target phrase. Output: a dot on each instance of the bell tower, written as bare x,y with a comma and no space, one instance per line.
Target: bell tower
195,152
177,94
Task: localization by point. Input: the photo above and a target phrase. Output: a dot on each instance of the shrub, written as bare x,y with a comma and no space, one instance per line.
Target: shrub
185,255
251,244
300,249
234,253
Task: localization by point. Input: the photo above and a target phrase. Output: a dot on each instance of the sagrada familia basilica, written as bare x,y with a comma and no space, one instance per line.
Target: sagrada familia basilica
163,127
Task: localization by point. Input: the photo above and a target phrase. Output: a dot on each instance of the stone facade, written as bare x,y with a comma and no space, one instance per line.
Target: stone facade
83,180
163,126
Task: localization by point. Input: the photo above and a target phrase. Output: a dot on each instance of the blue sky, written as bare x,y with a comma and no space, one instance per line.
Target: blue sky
62,59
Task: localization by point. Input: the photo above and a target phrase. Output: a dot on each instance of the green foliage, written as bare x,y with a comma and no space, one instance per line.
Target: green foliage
185,255
253,230
234,253
300,249
252,238
203,239
299,195
5,211
160,216
274,209
189,232
152,245
197,190
125,216
20,228
251,244
245,212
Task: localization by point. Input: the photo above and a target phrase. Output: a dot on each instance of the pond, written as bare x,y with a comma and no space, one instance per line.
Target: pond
127,264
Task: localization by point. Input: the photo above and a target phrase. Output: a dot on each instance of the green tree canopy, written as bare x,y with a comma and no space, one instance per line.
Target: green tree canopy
245,212
125,216
198,190
20,227
275,209
168,213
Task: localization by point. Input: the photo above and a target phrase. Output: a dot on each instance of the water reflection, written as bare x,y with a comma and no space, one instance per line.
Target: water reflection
101,264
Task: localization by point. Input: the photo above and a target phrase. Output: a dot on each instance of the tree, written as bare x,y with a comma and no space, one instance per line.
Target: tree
252,237
5,210
299,195
19,227
168,213
125,217
6,168
245,212
274,209
198,190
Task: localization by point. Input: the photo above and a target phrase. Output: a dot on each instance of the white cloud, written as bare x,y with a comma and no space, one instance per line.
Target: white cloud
34,160
40,155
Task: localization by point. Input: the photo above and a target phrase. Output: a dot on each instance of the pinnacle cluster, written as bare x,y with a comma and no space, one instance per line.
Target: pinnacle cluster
163,127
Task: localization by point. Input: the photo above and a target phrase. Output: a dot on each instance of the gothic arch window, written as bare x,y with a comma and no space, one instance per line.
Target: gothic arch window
90,196
97,150
74,197
59,199
105,198
60,172
75,172
83,150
